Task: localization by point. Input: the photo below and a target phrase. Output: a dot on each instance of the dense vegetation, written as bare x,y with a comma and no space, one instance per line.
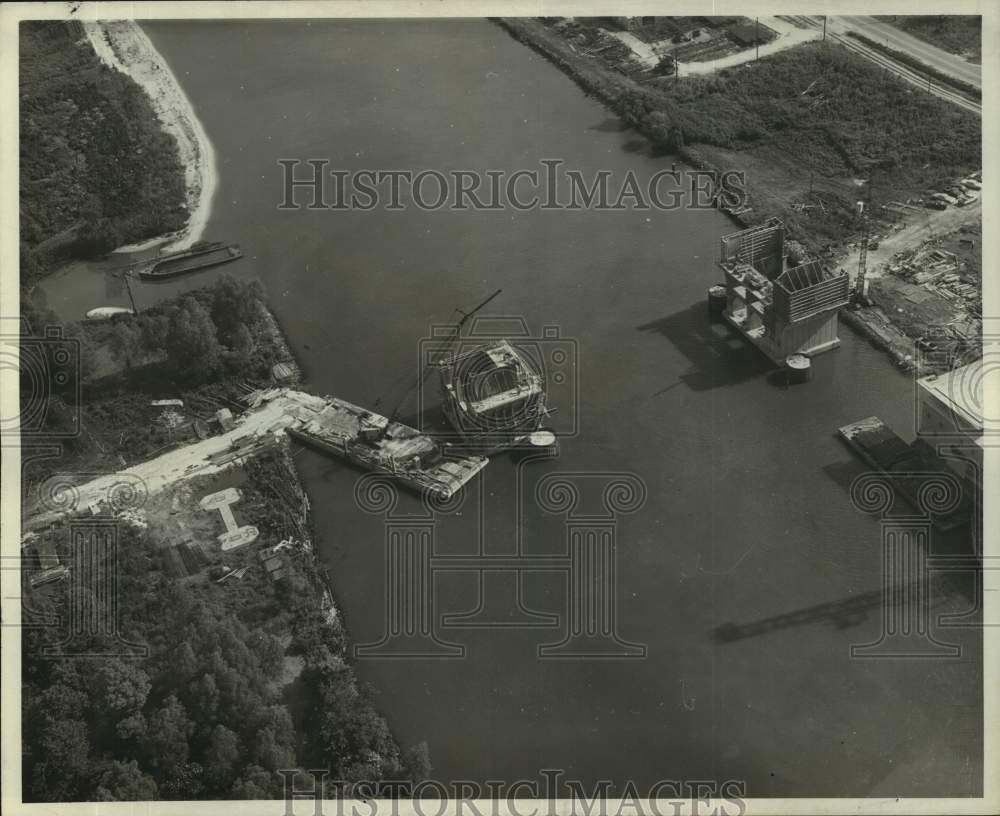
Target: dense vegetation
97,169
207,714
202,348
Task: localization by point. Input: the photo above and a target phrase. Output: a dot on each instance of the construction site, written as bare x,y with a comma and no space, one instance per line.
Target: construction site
783,310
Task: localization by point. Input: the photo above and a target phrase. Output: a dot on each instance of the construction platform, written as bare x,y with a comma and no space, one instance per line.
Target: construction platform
783,310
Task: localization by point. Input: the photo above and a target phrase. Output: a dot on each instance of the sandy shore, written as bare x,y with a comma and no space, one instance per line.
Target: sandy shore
123,45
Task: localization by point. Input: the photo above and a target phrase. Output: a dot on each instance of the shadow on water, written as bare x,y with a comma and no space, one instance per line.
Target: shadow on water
845,471
953,558
842,614
718,355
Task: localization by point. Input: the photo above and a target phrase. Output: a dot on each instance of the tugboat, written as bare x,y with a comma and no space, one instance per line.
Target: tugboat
200,256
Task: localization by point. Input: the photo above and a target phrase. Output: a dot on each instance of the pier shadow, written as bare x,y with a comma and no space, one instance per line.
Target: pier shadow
718,355
843,614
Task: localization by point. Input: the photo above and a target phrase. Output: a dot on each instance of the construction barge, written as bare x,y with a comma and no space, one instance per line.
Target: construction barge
200,256
376,443
882,448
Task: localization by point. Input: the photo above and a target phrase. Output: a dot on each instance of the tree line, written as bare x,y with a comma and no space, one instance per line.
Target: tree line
96,168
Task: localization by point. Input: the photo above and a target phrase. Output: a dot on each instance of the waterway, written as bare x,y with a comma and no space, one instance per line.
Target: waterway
747,512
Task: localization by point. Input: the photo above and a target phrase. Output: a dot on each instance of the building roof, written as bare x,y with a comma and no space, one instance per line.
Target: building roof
960,391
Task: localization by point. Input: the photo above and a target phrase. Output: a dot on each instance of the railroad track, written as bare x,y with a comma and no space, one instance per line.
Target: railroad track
902,71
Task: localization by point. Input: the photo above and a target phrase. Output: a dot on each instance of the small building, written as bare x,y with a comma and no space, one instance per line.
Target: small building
783,310
950,418
747,34
225,419
283,372
273,561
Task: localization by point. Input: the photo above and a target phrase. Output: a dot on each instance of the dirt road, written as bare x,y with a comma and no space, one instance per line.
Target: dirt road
924,224
59,496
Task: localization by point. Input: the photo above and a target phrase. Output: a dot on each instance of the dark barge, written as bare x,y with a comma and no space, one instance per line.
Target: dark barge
904,465
200,256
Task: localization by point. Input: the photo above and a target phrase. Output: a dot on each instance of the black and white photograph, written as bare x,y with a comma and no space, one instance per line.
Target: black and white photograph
541,409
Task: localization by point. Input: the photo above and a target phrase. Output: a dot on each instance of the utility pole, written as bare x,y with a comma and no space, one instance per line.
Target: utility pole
824,28
756,36
128,287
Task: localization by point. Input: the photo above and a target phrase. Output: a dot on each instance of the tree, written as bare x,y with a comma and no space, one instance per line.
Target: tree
233,303
417,762
119,687
203,699
221,758
192,345
184,664
166,741
154,329
125,782
254,783
62,760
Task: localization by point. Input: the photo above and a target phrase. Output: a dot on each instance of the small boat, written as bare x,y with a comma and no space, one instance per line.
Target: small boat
106,312
201,255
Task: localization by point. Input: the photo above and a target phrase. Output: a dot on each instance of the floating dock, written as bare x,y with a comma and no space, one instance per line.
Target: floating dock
372,442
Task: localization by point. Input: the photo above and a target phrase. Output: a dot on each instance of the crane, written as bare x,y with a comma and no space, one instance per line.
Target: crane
864,211
422,377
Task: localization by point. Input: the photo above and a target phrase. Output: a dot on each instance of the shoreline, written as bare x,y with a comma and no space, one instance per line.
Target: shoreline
606,85
123,46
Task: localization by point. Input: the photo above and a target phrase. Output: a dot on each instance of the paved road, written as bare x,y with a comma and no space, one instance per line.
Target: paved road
928,54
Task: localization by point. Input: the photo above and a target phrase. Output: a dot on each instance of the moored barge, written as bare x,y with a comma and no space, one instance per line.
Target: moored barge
378,444
904,465
200,256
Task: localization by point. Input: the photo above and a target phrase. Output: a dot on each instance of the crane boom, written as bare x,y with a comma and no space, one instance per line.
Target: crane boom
425,372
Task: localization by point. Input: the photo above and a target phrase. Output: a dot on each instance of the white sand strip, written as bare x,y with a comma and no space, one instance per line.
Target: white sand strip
124,46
